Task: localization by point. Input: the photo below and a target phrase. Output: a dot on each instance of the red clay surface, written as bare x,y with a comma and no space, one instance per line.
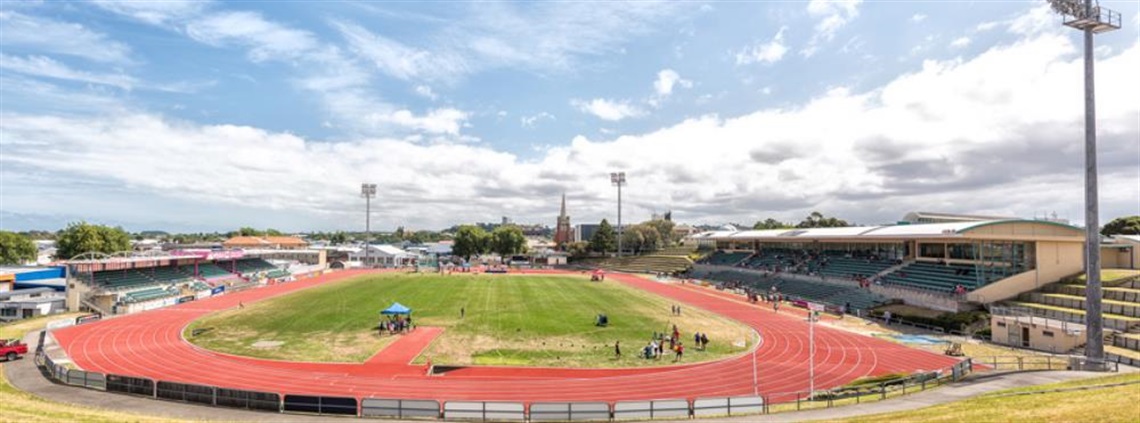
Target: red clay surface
150,344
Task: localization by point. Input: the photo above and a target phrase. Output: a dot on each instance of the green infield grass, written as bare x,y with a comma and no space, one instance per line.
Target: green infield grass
518,320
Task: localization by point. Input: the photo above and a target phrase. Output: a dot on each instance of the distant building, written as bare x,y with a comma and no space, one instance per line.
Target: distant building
28,303
562,234
266,242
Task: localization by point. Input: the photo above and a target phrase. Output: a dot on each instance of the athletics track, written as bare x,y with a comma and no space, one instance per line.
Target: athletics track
150,344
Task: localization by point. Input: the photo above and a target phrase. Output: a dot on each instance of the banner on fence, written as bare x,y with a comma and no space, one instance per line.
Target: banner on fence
253,400
380,407
473,410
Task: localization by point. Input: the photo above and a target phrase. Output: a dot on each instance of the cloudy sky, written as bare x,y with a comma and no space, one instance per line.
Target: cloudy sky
214,115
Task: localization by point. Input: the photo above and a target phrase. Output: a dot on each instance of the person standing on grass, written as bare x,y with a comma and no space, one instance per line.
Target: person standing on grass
680,352
617,348
462,312
697,338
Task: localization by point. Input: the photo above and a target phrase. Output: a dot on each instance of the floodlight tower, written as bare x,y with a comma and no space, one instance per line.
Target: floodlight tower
1090,18
368,191
618,179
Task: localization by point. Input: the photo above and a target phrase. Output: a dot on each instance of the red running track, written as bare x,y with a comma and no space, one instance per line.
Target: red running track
150,345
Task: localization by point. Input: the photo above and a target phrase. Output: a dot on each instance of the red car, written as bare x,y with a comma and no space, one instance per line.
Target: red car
12,349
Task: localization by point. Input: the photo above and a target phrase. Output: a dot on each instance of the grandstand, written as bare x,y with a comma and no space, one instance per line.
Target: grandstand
993,260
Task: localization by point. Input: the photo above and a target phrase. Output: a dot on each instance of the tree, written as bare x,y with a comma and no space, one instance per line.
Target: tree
632,239
1126,225
664,230
83,237
604,239
507,240
470,240
273,232
817,220
16,248
771,223
578,249
248,231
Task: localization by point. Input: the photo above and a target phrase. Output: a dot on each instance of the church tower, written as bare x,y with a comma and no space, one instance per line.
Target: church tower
562,230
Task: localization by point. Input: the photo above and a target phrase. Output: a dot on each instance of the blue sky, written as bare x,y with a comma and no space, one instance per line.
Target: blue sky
214,115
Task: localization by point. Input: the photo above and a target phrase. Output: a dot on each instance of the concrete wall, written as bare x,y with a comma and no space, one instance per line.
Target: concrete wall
1120,258
1043,336
1055,260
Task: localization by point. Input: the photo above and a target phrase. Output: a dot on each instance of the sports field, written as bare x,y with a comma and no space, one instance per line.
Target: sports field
531,320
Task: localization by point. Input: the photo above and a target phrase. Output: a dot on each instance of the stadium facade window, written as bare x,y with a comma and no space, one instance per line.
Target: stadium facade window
1047,333
932,250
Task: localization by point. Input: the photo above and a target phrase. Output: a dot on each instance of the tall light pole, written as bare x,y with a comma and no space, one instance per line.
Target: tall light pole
368,191
1091,19
618,179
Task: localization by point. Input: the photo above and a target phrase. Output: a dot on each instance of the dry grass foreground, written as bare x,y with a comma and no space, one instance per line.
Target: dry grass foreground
1108,405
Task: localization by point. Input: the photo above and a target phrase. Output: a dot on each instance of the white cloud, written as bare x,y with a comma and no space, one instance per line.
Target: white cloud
426,91
532,120
543,37
608,109
974,133
1038,20
917,17
266,40
437,121
666,80
960,42
155,12
831,15
51,36
46,67
767,53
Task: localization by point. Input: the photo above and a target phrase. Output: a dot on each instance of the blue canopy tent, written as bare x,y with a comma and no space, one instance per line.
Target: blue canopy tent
397,308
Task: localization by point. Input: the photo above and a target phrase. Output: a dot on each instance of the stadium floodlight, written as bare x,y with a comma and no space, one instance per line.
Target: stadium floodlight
368,191
1090,18
618,179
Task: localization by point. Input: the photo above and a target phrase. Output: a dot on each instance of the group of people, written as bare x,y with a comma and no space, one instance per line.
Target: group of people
396,324
676,310
656,347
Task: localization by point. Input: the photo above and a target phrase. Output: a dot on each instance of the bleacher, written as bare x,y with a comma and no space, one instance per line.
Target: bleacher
199,286
934,276
248,266
1120,312
167,274
147,295
653,263
722,258
278,274
846,267
210,271
821,292
121,279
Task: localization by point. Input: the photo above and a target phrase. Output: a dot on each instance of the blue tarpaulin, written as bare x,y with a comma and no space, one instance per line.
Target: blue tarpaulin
397,308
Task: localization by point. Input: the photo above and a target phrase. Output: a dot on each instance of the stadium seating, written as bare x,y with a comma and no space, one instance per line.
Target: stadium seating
249,266
833,294
1120,312
653,263
934,276
121,279
278,274
147,295
210,271
842,266
721,258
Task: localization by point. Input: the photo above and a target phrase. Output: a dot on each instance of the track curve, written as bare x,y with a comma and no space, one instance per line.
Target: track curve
150,344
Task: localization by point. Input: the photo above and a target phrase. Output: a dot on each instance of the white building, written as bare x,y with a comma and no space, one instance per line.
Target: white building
383,256
28,303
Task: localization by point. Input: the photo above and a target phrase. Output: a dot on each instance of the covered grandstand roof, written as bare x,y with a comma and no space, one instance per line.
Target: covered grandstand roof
930,230
264,242
936,217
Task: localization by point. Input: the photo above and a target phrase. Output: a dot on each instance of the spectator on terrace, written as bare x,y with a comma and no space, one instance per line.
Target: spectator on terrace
887,317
